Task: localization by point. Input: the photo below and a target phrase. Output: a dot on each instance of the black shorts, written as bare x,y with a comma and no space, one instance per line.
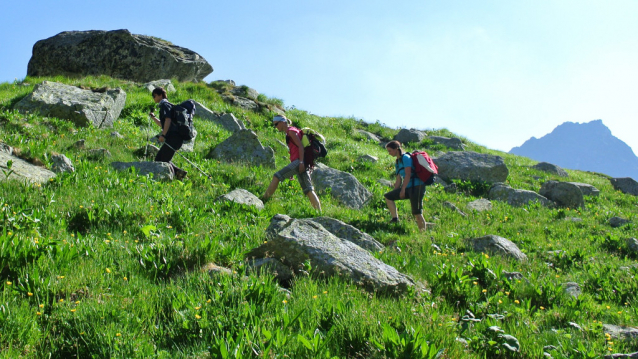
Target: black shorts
415,194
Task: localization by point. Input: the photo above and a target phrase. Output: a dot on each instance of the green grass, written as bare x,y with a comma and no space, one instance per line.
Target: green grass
101,264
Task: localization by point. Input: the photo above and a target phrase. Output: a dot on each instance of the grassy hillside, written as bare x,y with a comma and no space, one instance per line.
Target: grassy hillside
102,264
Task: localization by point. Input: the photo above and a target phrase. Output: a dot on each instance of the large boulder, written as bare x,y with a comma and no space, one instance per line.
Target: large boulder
160,170
516,197
411,135
241,196
22,170
297,242
343,186
226,120
244,146
349,233
370,136
626,185
99,108
117,54
620,332
551,168
565,194
496,245
454,143
586,189
471,166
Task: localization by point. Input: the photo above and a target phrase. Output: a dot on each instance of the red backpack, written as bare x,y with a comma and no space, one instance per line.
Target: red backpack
423,166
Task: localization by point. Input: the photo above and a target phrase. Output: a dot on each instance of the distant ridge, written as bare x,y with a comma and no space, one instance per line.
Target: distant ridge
586,147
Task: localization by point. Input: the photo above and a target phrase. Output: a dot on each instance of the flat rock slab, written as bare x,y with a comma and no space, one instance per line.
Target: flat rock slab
343,186
226,120
479,205
620,332
118,54
241,196
626,185
297,241
471,166
244,147
516,197
565,194
82,107
496,245
23,170
160,170
349,233
551,168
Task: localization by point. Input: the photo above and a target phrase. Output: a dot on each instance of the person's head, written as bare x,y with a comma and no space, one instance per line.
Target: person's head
158,94
394,148
280,122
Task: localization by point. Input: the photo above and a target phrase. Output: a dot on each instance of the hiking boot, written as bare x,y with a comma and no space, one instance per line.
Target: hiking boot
180,174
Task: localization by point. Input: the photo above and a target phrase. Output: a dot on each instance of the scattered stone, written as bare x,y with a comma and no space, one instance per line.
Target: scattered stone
454,143
370,136
513,275
616,222
368,158
244,146
573,219
61,164
226,120
242,102
439,181
575,326
150,151
165,84
116,53
451,206
245,92
80,144
116,134
480,205
160,170
572,289
406,136
343,186
385,182
551,168
213,270
471,166
549,348
6,148
496,245
626,185
22,170
294,242
98,154
622,356
241,196
82,107
189,146
619,332
586,189
516,197
349,233
451,188
632,244
262,266
565,194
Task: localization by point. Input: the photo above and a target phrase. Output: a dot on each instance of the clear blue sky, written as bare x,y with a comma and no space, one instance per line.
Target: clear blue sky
496,72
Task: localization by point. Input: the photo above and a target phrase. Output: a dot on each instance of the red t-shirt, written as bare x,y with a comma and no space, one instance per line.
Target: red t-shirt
292,147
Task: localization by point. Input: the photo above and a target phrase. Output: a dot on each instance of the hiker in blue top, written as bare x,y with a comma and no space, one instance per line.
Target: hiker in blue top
406,186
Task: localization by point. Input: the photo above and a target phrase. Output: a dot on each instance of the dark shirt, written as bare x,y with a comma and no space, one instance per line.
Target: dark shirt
165,109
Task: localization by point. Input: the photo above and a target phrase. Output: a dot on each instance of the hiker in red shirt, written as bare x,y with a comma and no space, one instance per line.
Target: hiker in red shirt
296,166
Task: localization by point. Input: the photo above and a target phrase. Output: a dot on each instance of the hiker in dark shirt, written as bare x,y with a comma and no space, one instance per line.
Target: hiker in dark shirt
169,135
296,166
406,186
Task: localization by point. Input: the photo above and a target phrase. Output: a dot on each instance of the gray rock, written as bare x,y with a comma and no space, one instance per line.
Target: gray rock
586,189
471,166
480,205
516,197
573,219
189,146
496,245
117,54
80,144
82,107
572,289
244,146
295,242
564,194
551,168
272,266
6,148
242,102
214,270
343,186
632,244
451,188
575,326
246,92
451,206
513,275
98,154
438,180
411,135
385,182
616,222
619,332
61,164
226,120
116,134
368,158
166,84
626,185
349,233
622,356
370,136
160,170
242,196
149,150
23,171
454,143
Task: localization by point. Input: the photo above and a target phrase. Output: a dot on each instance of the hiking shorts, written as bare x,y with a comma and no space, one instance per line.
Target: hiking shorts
415,194
293,170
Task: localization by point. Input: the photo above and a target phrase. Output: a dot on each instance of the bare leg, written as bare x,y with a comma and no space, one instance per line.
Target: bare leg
271,188
392,207
420,221
314,200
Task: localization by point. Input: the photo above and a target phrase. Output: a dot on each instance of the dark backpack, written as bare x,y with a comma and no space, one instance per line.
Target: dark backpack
314,147
182,117
423,166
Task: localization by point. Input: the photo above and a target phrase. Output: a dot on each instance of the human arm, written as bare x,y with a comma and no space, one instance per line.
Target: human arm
406,180
295,139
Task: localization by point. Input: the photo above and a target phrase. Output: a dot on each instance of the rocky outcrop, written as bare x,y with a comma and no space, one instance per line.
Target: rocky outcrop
343,186
244,147
496,245
241,196
159,170
411,135
551,168
516,197
565,194
118,54
21,170
297,242
625,185
586,189
99,108
471,166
